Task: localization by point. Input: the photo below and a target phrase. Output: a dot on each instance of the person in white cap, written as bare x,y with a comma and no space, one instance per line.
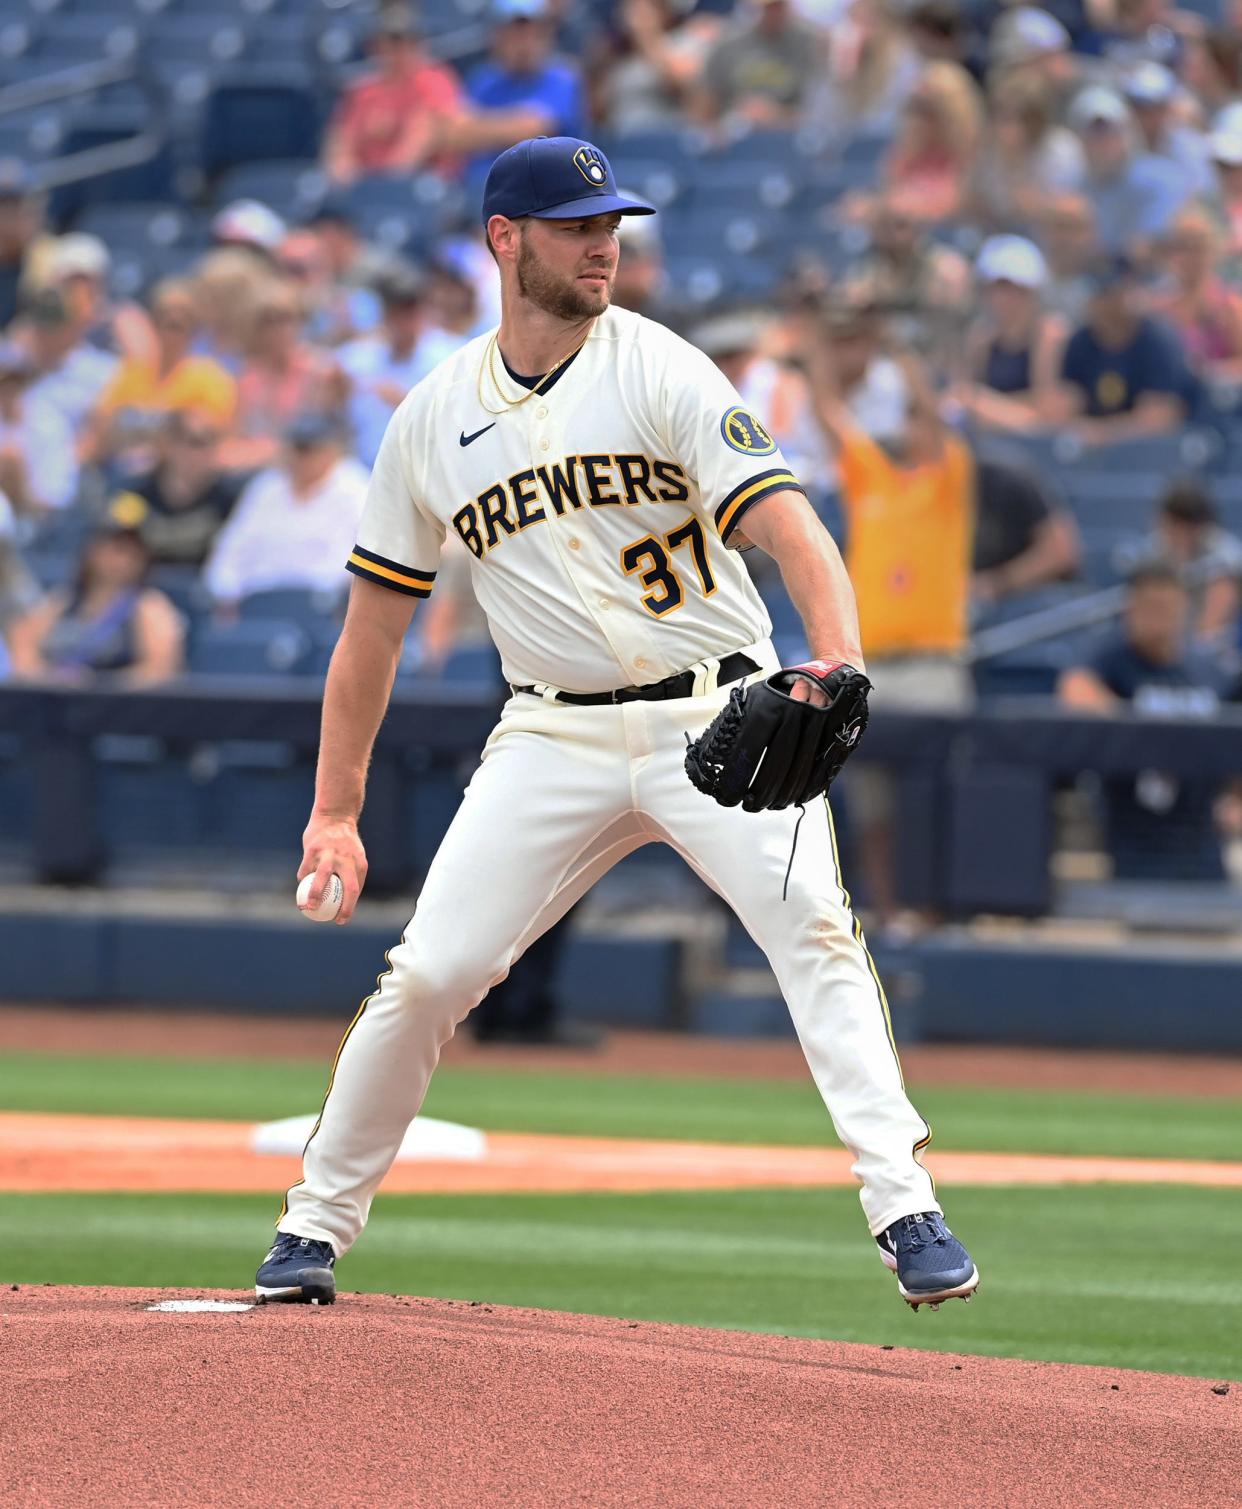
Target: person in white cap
1135,195
1013,351
1031,44
1152,93
251,224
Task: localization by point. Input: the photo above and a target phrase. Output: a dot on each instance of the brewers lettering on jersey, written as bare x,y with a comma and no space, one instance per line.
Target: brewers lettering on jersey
601,473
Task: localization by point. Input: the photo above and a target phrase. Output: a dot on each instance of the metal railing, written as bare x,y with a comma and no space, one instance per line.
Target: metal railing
74,83
1085,612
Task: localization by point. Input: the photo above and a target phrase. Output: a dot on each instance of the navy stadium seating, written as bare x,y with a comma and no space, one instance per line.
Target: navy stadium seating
255,114
248,648
293,187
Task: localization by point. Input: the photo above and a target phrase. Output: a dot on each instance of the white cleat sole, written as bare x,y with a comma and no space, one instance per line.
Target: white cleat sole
295,1295
938,1296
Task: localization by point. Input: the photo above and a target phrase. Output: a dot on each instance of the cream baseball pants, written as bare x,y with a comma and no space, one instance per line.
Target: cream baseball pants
561,794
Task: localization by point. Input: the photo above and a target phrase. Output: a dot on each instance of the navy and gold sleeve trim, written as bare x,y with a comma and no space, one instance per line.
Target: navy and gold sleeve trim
752,491
378,568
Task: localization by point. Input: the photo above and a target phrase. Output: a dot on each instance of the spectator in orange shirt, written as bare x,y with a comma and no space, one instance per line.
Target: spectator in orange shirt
174,381
908,499
392,120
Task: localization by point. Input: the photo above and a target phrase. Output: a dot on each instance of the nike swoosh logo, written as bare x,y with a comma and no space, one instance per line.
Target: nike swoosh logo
464,439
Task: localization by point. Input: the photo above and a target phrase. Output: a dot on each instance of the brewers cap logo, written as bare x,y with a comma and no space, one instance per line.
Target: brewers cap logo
743,432
591,165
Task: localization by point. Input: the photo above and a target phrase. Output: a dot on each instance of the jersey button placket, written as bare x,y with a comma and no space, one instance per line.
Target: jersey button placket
546,434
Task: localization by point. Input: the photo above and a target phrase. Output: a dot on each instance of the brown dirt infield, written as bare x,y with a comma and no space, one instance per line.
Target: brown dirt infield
44,1151
387,1401
94,1030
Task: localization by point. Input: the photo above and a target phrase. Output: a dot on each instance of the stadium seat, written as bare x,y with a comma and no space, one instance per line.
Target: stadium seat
189,37
1105,552
152,179
286,38
649,177
405,214
141,224
1189,449
753,149
309,610
473,665
1122,500
250,649
183,586
293,187
249,117
678,150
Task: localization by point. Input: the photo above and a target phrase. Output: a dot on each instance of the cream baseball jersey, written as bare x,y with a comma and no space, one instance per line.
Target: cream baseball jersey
598,513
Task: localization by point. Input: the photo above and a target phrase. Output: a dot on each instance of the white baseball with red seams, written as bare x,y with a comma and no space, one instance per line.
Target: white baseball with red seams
598,515
329,905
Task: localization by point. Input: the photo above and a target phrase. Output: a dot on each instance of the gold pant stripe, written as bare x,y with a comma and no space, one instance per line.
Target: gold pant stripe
379,981
875,975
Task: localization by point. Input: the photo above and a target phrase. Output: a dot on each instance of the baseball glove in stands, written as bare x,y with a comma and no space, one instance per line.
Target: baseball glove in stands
764,749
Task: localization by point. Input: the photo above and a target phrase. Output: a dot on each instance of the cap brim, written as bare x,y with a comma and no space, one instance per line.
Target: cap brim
594,204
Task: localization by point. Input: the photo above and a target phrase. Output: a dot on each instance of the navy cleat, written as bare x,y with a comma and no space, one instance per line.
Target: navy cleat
930,1263
297,1270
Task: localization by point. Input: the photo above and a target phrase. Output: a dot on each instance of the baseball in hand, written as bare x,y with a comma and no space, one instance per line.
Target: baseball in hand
334,894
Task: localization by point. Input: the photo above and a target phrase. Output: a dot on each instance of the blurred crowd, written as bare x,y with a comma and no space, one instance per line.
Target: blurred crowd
1050,244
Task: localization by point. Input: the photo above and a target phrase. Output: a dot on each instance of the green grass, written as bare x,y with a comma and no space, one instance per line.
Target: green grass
715,1110
1130,1277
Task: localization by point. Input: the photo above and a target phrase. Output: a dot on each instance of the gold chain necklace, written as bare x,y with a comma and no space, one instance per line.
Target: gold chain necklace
516,403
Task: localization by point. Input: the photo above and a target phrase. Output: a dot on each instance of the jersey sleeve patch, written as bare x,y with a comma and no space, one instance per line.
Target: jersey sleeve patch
742,432
752,491
378,568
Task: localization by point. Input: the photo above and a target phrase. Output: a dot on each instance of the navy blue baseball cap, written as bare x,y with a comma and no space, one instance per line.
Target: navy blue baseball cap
555,178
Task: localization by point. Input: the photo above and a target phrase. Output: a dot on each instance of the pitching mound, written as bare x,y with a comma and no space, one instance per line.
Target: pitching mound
392,1401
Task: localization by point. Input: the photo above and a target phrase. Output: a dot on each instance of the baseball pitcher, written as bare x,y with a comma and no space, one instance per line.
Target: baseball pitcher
602,474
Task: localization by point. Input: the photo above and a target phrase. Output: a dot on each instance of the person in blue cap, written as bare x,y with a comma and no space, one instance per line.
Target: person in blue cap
601,475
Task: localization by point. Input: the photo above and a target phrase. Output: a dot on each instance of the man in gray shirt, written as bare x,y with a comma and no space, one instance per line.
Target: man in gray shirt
760,71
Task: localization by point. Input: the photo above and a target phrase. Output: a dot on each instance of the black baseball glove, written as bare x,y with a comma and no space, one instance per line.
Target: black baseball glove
763,749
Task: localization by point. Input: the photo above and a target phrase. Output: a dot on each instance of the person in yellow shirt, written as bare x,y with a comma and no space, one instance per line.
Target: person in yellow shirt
144,391
909,501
